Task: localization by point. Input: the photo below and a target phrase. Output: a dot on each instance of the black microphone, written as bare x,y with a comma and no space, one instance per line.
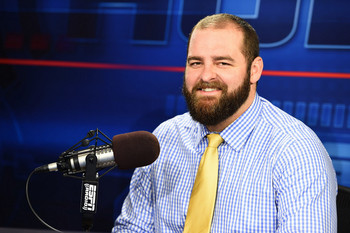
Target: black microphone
128,151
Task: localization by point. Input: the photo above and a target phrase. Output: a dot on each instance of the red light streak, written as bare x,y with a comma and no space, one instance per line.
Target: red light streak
93,65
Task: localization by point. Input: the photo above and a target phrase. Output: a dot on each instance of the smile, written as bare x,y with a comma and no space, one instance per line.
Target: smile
209,89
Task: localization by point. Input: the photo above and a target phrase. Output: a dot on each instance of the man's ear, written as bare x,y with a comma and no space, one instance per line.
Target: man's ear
256,70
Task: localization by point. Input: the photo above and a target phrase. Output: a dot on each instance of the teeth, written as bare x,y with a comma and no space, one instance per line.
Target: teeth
209,89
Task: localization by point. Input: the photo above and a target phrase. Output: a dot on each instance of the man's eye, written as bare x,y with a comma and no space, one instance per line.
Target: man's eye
195,63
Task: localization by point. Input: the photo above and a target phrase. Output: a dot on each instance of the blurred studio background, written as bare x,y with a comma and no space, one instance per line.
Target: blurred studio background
70,66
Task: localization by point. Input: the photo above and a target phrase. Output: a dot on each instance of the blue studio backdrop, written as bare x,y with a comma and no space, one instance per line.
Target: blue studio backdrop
70,66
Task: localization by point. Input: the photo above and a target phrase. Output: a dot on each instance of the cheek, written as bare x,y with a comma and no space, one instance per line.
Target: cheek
234,80
190,81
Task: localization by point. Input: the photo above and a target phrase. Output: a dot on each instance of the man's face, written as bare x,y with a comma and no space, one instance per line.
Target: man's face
216,82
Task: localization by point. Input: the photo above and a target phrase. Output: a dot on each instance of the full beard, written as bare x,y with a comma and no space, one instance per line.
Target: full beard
211,111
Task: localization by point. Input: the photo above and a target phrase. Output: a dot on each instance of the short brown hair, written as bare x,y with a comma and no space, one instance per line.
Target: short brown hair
250,38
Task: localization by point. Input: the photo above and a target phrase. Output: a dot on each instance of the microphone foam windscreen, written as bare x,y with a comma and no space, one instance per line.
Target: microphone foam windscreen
135,149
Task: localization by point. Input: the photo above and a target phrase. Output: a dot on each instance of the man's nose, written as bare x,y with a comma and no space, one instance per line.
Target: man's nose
208,73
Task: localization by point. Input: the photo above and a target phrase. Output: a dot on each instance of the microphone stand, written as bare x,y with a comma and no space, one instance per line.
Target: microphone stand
90,177
89,191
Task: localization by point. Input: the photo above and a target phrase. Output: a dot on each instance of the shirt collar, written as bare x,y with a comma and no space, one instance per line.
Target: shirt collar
237,133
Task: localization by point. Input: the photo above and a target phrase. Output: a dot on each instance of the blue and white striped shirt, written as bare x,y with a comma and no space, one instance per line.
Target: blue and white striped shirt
274,176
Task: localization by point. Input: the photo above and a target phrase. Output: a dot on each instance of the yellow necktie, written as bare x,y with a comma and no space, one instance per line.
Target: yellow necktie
201,207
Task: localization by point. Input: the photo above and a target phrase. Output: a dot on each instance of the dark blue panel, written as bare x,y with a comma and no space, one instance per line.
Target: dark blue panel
192,13
274,27
330,23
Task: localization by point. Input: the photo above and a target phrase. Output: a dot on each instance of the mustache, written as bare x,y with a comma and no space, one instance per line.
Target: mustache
215,84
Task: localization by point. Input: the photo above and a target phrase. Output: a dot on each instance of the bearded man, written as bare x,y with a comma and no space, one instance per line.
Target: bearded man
272,173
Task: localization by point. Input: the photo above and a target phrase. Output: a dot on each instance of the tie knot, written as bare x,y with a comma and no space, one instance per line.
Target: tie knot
214,140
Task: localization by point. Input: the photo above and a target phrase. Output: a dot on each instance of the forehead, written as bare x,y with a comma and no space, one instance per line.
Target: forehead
224,38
